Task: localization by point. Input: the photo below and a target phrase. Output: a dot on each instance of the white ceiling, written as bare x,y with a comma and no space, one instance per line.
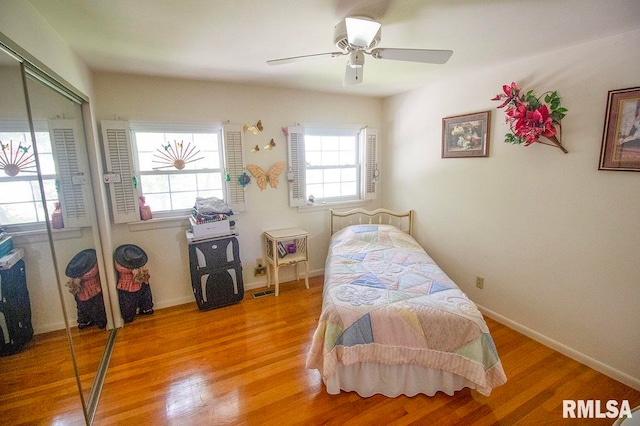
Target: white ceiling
231,40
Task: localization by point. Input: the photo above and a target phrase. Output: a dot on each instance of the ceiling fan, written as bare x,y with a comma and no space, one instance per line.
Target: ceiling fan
358,36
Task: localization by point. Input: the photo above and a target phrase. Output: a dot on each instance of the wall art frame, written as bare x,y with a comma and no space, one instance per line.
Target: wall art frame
620,149
467,135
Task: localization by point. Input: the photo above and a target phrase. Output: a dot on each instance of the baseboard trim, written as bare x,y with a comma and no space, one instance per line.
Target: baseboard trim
263,282
564,349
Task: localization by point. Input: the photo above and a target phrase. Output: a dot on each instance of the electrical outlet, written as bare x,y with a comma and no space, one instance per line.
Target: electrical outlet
479,282
259,263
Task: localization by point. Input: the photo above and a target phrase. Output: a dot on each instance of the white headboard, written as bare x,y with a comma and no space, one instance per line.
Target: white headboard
401,220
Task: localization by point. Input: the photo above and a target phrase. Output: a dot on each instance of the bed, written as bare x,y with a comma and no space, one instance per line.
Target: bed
392,321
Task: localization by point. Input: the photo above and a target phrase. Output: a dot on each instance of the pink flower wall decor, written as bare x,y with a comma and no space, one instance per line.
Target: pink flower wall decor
531,117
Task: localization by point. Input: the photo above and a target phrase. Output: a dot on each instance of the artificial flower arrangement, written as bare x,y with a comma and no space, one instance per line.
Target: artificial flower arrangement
529,117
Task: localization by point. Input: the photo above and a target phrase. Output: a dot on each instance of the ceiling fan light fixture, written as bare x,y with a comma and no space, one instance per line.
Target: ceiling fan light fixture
356,59
352,75
361,31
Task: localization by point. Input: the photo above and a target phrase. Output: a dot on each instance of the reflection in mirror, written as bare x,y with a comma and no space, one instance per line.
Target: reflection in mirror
47,211
70,206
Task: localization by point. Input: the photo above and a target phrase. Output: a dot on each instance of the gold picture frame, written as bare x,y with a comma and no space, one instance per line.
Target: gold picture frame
467,135
620,149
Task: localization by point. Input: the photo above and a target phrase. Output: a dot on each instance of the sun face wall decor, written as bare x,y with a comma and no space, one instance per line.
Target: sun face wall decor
14,161
176,155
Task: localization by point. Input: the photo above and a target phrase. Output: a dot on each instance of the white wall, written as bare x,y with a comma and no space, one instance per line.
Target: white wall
144,98
556,240
22,24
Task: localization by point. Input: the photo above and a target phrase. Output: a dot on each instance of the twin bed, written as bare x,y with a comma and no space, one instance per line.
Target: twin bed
392,322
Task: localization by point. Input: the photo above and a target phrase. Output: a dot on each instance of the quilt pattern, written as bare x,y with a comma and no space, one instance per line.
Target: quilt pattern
385,300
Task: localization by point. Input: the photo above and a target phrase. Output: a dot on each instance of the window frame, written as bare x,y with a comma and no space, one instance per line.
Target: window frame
40,126
368,174
336,132
175,127
121,178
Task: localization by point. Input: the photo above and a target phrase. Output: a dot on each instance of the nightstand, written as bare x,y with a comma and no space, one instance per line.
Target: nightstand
286,247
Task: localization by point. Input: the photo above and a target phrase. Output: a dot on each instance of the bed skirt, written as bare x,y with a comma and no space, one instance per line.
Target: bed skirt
368,379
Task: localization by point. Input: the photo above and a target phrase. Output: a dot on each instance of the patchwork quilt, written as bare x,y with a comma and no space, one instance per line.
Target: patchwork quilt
386,301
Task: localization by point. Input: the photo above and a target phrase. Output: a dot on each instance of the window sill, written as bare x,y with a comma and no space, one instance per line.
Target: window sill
41,235
327,206
159,223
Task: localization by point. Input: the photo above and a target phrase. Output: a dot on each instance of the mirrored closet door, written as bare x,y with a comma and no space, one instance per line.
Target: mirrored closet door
47,209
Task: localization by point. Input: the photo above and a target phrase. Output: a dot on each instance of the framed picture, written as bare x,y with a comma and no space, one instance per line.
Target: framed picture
621,136
466,135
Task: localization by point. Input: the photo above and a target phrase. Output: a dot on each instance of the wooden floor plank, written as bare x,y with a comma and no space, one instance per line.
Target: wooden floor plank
245,364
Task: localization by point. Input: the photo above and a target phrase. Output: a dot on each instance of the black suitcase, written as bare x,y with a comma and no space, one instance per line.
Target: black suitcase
15,310
216,272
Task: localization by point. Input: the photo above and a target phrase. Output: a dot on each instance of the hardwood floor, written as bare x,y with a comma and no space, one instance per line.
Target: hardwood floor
244,364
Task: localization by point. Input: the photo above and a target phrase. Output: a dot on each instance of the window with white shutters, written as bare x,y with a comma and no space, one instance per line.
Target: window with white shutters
297,190
234,165
73,177
331,165
123,187
62,162
171,164
370,170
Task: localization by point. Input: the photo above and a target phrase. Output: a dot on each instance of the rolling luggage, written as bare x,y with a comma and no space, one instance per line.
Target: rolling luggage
216,272
16,329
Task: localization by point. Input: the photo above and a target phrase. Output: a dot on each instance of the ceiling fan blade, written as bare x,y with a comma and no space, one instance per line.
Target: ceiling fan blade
304,57
360,32
352,76
427,56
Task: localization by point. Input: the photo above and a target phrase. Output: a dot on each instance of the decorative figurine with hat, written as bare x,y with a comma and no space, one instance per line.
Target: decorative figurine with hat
84,284
134,292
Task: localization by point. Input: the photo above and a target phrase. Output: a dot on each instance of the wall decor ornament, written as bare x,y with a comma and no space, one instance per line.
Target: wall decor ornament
253,129
244,179
463,136
16,160
263,177
531,117
621,134
175,155
270,145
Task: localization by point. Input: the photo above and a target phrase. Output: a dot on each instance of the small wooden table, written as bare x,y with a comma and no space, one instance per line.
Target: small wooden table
286,247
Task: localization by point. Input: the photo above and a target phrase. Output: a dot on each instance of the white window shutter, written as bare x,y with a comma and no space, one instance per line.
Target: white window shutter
116,140
370,178
234,165
295,145
71,160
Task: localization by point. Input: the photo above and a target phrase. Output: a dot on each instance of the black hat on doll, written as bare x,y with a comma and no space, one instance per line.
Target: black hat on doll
130,256
81,263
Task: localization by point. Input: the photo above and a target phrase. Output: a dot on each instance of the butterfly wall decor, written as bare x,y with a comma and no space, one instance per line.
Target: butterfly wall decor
253,129
270,145
263,177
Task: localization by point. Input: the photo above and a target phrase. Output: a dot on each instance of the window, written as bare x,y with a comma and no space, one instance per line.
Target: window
142,158
20,196
332,165
62,159
197,149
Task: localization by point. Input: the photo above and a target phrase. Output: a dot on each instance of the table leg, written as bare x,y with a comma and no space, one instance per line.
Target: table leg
268,274
306,274
277,282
